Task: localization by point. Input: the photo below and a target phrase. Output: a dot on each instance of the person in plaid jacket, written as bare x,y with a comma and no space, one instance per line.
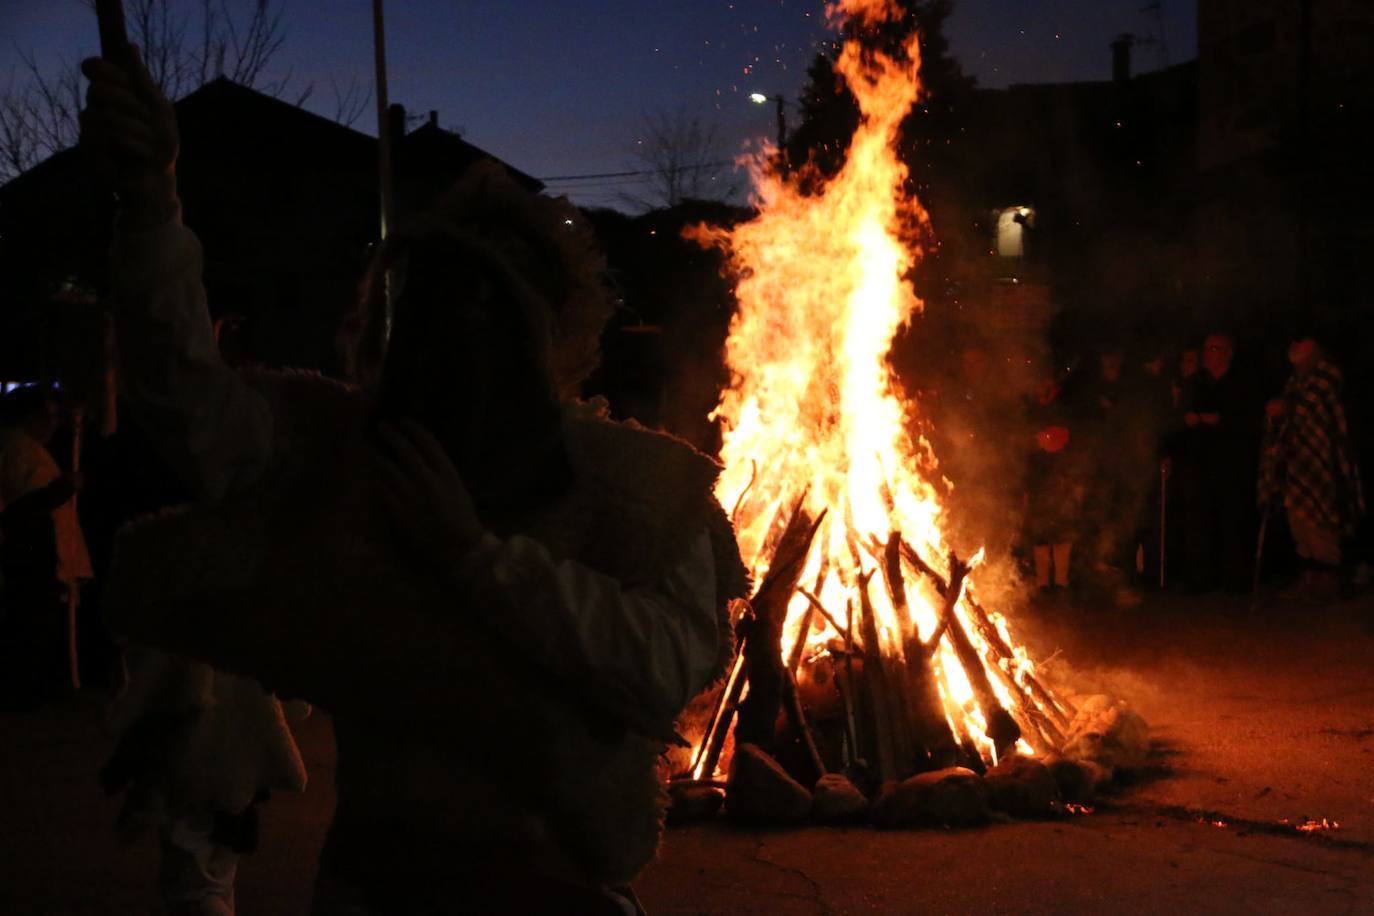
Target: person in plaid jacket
1306,466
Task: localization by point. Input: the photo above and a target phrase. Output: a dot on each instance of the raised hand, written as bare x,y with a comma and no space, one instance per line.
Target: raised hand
424,494
130,129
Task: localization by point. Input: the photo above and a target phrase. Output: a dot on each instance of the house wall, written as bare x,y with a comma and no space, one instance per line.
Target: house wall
1286,91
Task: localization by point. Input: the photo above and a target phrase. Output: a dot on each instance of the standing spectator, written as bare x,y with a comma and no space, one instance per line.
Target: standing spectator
1307,466
44,554
1189,361
411,554
1054,490
1222,418
1115,434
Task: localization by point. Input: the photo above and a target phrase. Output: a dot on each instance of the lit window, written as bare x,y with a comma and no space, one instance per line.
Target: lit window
1012,224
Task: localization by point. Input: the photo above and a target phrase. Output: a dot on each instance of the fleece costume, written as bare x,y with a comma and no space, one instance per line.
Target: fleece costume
474,711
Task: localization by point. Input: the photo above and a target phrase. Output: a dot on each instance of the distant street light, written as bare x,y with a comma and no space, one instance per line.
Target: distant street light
758,98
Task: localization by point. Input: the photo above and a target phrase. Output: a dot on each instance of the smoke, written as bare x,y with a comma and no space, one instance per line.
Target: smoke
985,392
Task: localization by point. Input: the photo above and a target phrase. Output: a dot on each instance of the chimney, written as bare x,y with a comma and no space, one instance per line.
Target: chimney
433,118
396,121
1121,59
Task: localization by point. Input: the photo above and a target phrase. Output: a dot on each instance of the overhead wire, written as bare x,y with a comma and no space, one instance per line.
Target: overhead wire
634,174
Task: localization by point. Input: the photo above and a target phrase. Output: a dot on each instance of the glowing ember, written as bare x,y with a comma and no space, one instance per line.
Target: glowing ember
1312,826
1079,810
814,420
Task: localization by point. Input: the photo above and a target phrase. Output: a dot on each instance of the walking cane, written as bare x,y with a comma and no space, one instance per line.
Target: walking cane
1259,558
74,587
1163,518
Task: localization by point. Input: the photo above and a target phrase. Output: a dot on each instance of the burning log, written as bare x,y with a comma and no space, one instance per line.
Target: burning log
763,630
813,408
1002,728
819,608
1061,710
936,746
1042,729
796,717
879,725
804,631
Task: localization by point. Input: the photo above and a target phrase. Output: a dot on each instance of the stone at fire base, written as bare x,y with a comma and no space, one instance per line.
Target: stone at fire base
1078,780
693,803
1108,733
954,797
1022,787
759,789
836,800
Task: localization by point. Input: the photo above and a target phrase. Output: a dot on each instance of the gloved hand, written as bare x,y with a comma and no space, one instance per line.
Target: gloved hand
424,495
130,129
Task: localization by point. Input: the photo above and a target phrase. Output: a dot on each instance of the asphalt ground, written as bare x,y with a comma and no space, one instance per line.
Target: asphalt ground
1260,721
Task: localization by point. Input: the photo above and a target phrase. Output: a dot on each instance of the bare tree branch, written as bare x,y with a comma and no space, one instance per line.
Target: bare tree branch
238,39
686,157
351,101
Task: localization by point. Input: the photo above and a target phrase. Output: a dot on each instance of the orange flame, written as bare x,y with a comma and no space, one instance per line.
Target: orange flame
823,289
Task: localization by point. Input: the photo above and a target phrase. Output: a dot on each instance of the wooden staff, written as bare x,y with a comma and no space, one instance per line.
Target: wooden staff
713,742
386,188
114,37
1163,519
74,587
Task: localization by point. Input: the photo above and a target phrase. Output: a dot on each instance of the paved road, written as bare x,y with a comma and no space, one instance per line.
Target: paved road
1256,719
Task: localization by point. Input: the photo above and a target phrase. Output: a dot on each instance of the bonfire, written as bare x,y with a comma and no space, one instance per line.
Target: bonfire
832,496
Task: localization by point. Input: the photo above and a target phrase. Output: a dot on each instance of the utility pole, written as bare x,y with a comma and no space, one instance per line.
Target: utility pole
384,173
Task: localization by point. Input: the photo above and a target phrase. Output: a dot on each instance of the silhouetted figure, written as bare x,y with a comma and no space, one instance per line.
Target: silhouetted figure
1054,490
1221,416
43,554
503,598
1307,469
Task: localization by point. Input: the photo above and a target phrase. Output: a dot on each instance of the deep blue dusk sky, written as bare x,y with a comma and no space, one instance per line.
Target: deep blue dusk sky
557,87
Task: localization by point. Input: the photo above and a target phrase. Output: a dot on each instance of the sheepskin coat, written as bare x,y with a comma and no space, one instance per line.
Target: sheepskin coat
445,730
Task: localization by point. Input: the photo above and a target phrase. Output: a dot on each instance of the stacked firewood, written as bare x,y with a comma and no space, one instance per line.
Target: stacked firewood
889,721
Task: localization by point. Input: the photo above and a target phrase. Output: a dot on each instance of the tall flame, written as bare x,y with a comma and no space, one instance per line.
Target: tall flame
813,408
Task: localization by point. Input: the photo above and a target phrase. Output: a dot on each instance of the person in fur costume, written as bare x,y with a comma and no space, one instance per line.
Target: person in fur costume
503,598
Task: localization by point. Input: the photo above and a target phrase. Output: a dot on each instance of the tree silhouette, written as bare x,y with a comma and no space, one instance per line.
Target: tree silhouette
683,158
237,39
830,113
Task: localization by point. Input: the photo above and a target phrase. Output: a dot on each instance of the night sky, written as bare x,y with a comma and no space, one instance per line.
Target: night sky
560,88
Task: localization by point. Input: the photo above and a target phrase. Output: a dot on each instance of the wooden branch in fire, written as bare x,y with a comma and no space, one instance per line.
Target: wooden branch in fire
881,728
796,717
929,725
1060,710
819,608
1001,727
763,629
1043,733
